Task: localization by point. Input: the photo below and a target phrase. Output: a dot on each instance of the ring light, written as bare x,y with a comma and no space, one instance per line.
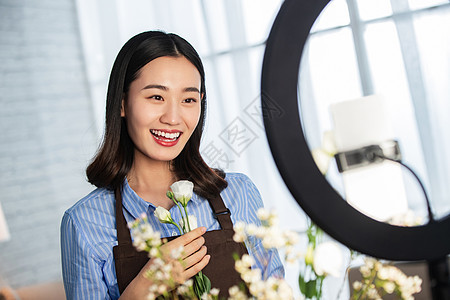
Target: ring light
294,160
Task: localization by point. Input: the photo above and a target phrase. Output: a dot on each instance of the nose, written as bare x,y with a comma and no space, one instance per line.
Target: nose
171,113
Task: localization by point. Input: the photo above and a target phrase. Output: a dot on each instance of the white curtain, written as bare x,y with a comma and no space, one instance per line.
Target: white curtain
229,36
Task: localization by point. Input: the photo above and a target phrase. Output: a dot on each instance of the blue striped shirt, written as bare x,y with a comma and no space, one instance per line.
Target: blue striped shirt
88,234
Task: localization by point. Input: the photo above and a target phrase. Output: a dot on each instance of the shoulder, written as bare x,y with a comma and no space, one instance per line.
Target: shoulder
242,190
236,180
94,210
242,198
99,199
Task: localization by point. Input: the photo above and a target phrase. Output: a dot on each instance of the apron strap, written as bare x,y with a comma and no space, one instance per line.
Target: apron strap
221,212
123,233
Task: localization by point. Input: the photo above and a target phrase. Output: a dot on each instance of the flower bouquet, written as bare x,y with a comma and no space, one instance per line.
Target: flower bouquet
320,260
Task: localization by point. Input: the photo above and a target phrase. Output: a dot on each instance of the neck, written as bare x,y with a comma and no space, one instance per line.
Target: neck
151,179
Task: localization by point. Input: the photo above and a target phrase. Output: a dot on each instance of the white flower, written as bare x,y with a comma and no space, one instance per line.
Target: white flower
214,292
284,290
273,238
162,289
236,294
182,290
243,265
328,259
233,290
189,283
153,252
365,271
183,190
389,287
143,235
357,285
176,253
163,215
373,293
153,288
263,214
322,160
292,255
248,260
291,237
252,229
328,143
192,223
256,288
239,232
251,276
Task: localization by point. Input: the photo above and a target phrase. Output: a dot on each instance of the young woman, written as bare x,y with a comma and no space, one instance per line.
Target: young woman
155,113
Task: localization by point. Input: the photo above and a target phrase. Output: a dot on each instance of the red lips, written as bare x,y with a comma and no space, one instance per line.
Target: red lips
166,137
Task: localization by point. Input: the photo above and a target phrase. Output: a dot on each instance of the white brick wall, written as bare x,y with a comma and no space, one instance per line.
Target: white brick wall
47,133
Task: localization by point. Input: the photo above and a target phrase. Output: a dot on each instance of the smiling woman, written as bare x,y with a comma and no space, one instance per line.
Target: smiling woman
162,108
155,112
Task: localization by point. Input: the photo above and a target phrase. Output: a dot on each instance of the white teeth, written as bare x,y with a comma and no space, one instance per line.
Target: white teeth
167,135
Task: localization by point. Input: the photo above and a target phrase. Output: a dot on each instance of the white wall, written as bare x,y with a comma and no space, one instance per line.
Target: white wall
47,133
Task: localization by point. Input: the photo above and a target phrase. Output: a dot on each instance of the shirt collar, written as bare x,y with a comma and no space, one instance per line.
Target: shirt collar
131,201
135,205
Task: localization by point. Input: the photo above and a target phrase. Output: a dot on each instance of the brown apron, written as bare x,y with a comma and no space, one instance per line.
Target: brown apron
220,269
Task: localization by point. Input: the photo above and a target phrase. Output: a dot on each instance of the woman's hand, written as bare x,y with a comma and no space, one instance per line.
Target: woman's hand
193,261
194,255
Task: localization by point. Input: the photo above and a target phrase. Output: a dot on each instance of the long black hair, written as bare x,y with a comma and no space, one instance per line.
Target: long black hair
115,156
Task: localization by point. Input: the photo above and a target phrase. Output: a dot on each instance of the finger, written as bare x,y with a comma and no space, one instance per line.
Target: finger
197,267
192,235
184,239
193,246
194,258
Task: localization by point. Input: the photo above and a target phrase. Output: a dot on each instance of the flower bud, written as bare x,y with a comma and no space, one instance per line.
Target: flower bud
192,223
163,215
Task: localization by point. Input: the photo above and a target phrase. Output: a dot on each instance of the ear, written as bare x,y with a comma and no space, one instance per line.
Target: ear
122,108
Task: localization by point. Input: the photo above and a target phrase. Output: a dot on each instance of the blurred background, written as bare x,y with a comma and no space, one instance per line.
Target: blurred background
55,59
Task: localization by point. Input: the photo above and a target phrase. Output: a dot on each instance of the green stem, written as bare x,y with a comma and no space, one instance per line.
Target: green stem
181,214
179,228
187,218
366,287
319,286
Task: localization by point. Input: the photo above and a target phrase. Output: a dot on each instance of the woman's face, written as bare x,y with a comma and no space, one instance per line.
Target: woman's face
162,107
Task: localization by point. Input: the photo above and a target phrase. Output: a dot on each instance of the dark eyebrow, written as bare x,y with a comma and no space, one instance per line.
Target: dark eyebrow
165,88
155,86
192,89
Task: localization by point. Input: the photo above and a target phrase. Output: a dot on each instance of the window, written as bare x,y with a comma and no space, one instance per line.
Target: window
399,49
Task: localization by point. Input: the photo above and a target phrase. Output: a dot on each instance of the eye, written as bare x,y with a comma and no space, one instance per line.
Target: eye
156,97
189,100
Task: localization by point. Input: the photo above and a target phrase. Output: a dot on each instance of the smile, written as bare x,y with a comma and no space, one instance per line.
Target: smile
165,136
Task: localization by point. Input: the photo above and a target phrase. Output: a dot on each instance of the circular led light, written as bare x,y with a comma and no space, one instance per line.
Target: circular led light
294,160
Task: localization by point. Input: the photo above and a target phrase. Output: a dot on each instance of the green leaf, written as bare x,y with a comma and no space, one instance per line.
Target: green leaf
310,290
198,286
207,283
236,256
202,284
302,284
